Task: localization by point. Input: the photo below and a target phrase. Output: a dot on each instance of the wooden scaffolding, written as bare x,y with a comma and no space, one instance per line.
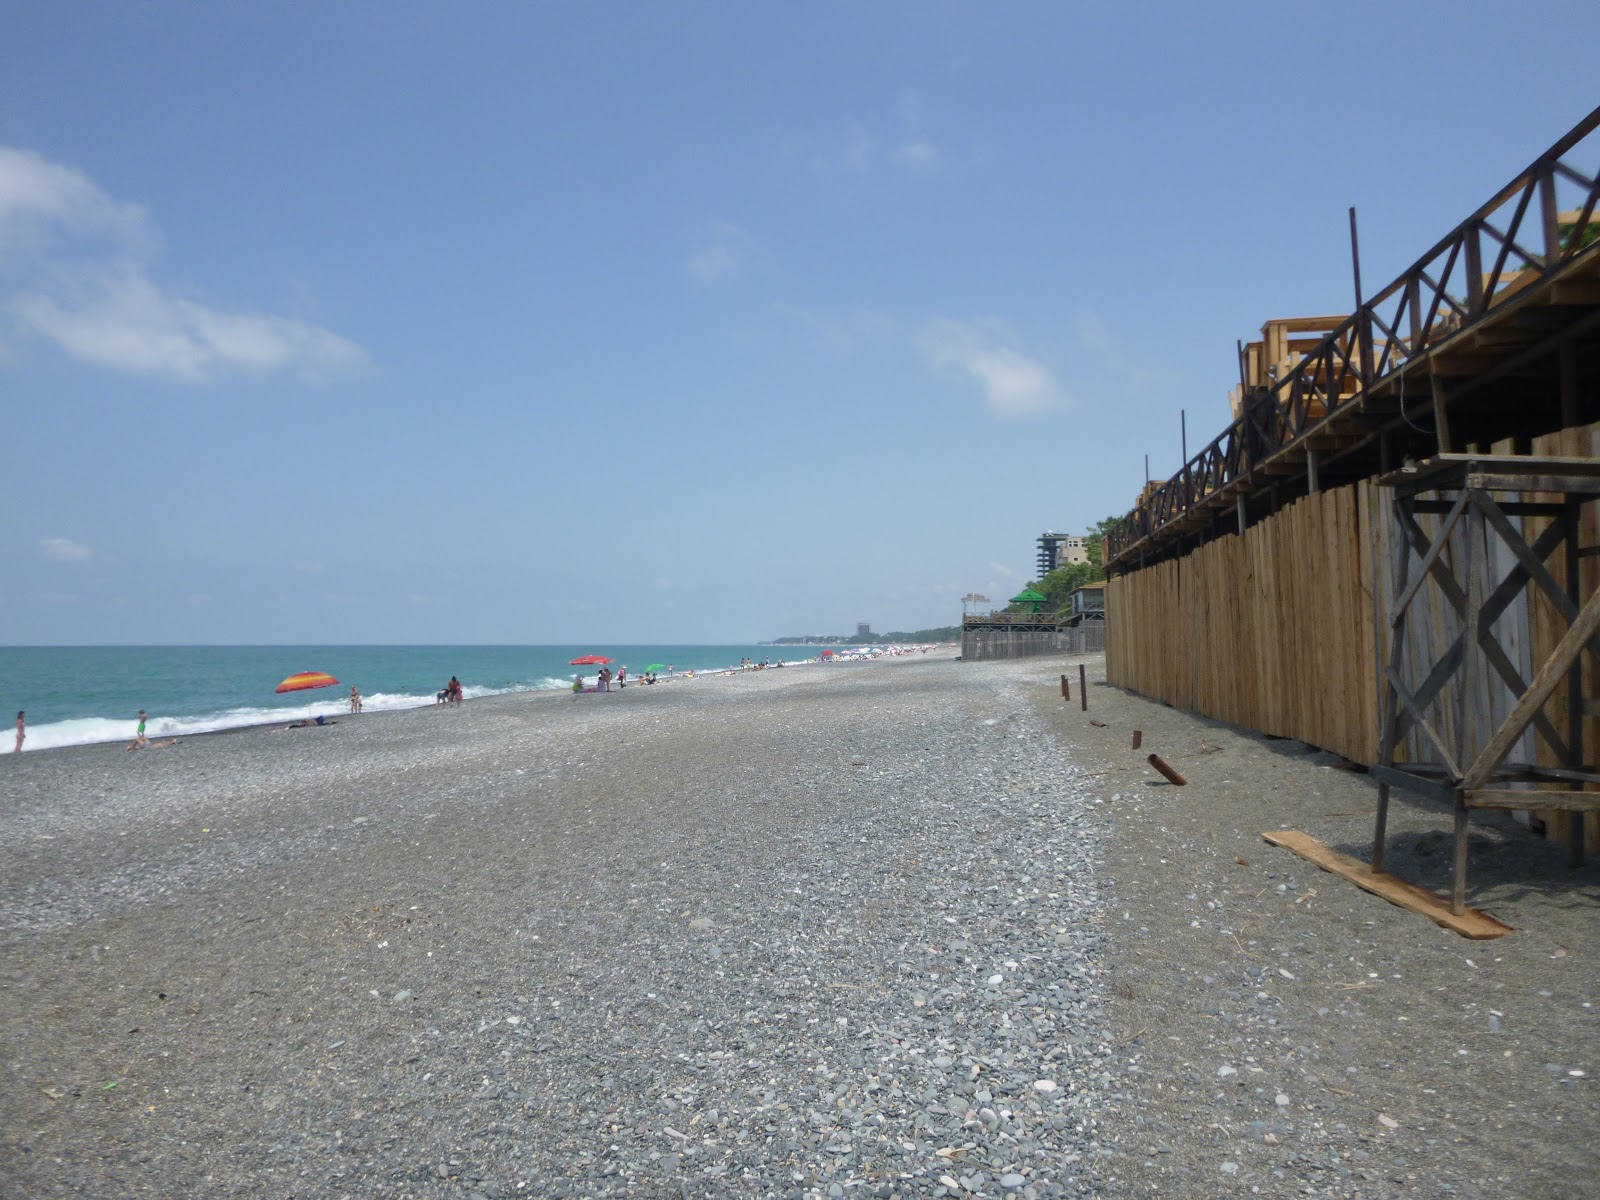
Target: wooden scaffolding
1496,521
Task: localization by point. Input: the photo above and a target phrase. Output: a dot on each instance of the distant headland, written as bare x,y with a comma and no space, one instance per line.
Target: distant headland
945,633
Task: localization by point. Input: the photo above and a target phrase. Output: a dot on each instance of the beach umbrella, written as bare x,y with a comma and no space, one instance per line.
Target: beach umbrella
655,667
590,660
306,680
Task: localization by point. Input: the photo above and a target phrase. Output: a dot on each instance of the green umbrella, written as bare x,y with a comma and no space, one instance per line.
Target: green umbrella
653,667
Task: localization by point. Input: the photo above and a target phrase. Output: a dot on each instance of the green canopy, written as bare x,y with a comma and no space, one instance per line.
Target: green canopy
1033,599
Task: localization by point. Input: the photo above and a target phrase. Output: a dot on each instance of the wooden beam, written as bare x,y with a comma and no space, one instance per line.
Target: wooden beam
1441,416
1531,801
1544,683
1471,922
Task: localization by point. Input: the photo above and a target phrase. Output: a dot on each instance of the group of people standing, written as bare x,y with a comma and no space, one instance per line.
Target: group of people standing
602,680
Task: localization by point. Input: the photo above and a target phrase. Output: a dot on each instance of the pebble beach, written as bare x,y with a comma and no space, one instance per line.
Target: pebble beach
901,928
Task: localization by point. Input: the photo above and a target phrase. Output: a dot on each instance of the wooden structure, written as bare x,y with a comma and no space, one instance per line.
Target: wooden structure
1270,629
1493,333
1087,603
1263,363
1024,634
1275,582
1489,502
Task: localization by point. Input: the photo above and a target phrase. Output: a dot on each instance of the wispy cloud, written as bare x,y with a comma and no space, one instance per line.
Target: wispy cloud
77,273
919,155
63,550
1115,360
727,252
988,353
1004,571
863,151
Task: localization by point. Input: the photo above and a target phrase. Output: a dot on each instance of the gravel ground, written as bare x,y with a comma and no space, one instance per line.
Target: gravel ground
805,933
1279,1031
907,928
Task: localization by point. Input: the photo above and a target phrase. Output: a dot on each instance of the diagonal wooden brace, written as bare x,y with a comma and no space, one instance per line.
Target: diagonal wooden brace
1544,683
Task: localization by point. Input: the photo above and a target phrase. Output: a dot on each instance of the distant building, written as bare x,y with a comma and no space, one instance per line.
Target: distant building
1058,549
863,630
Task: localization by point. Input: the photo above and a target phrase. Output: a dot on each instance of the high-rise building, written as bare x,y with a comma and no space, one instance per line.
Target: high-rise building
1059,549
863,630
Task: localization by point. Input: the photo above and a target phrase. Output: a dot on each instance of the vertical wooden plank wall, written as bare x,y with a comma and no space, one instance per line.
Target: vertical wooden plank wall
1271,629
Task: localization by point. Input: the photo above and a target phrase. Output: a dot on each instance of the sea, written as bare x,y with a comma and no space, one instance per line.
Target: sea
78,695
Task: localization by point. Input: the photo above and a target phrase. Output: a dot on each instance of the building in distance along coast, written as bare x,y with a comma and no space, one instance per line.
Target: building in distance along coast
1058,549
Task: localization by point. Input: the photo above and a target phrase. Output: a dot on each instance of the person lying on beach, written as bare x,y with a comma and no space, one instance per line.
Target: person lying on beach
310,722
147,744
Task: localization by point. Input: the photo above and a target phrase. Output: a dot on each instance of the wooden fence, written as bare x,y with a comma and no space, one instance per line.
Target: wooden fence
1271,629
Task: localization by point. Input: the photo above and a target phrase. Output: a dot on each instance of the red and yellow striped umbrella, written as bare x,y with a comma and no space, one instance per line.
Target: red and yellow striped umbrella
305,680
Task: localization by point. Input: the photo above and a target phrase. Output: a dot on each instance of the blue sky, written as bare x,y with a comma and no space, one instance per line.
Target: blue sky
671,322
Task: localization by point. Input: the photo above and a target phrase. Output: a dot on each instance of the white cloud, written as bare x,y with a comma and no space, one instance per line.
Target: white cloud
62,550
87,257
40,199
726,254
986,351
919,155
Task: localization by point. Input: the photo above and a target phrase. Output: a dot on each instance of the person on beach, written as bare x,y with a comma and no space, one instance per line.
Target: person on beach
148,745
139,739
21,731
310,723
577,685
454,690
622,676
355,699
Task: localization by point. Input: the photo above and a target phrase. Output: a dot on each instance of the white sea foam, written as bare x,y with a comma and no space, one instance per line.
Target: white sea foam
86,731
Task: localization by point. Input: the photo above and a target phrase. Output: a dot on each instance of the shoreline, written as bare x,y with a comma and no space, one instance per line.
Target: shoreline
340,708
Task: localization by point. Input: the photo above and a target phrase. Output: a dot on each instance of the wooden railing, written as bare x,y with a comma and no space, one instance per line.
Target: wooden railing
1005,618
1444,292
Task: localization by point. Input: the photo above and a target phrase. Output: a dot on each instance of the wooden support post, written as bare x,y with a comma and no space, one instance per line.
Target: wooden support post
1571,407
1156,761
1066,689
1239,510
1475,562
1138,738
1391,700
1441,416
1083,688
1312,483
1572,510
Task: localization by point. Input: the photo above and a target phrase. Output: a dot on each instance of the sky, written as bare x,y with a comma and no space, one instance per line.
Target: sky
701,322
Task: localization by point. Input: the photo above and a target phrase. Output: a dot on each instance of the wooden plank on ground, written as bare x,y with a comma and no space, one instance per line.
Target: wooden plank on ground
1470,923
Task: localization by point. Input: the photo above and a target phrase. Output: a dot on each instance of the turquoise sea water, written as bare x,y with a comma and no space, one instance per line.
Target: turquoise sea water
76,695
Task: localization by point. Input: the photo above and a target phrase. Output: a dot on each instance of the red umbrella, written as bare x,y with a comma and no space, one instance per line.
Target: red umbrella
590,660
306,680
